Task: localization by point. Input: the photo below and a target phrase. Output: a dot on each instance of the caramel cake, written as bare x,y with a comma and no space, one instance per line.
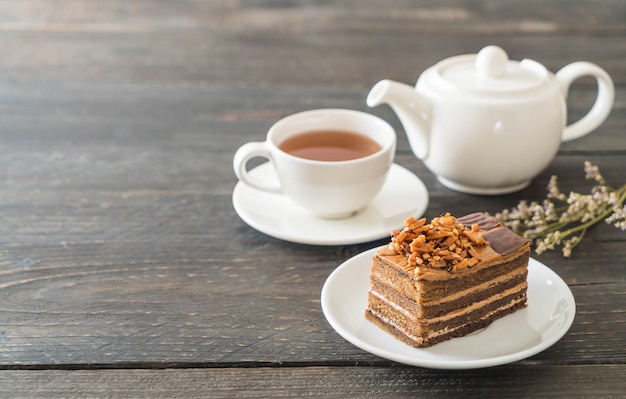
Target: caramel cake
446,279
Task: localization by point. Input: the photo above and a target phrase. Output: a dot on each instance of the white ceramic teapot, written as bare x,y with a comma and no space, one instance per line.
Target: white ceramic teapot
484,124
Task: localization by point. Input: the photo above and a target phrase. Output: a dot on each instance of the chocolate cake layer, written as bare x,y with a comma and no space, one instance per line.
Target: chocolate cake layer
457,301
390,269
459,331
381,305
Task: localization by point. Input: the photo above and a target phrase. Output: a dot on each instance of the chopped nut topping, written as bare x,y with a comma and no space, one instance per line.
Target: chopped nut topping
443,244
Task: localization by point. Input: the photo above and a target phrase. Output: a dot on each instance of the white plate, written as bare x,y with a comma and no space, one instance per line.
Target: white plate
550,313
402,195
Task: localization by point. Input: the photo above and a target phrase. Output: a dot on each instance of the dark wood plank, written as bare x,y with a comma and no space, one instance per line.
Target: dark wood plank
264,43
599,381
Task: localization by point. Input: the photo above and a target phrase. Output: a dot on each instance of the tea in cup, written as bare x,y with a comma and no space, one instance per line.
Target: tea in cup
331,162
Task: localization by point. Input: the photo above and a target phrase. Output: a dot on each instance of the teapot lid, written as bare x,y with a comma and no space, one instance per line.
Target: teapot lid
491,71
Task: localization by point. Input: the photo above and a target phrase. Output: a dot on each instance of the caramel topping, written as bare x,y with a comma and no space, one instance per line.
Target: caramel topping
443,244
451,244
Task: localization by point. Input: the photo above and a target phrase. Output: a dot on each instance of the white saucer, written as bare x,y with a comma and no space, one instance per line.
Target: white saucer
403,195
550,313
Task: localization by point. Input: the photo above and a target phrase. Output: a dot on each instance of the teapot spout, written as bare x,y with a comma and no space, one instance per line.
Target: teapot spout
413,110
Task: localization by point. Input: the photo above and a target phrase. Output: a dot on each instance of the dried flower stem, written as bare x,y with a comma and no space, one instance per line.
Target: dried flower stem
550,226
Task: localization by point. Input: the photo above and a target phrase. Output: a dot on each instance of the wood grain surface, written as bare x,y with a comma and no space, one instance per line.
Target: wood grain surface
124,269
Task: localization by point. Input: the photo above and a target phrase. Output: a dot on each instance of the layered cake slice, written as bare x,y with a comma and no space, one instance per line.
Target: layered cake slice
448,278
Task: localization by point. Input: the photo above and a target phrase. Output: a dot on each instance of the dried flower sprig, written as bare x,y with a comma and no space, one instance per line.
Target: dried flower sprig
550,225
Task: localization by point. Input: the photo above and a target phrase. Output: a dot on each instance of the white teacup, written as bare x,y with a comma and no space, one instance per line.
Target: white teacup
329,189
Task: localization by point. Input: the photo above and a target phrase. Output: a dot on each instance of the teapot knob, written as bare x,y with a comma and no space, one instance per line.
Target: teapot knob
491,62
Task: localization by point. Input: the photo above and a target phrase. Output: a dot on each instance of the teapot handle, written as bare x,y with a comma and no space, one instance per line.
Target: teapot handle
602,105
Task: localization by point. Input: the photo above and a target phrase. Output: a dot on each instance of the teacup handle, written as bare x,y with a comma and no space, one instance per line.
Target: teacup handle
603,104
245,153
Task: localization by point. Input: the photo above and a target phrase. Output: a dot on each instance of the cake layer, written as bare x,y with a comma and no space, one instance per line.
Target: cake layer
416,310
383,305
390,268
462,330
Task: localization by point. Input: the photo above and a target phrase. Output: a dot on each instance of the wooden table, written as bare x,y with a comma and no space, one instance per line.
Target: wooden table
124,269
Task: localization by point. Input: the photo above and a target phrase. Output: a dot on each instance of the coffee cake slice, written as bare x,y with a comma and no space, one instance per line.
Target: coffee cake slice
448,278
